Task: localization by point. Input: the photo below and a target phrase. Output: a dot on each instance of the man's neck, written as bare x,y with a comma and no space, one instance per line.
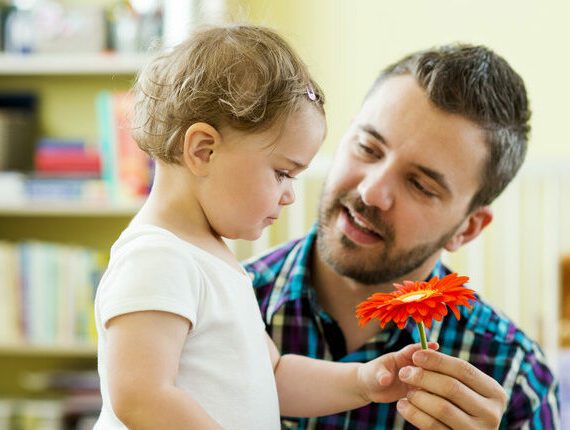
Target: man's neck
339,296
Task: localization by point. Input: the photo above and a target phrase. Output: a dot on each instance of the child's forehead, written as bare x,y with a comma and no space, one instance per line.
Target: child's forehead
306,123
301,137
290,159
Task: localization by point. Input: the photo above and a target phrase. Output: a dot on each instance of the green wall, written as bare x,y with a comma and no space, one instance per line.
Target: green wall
345,43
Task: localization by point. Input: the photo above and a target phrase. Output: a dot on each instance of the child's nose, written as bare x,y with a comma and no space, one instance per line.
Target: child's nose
288,195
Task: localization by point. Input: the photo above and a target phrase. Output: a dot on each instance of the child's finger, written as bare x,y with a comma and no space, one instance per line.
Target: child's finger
385,378
433,345
404,356
410,349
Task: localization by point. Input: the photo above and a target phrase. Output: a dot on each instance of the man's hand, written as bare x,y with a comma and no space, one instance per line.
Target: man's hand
448,392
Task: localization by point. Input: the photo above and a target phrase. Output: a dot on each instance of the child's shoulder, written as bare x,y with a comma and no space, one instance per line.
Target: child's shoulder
145,236
146,243
155,246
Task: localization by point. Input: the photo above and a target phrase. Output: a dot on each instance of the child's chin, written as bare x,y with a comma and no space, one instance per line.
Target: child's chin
253,235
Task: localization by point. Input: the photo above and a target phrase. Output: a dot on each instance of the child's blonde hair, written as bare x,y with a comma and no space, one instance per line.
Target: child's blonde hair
243,76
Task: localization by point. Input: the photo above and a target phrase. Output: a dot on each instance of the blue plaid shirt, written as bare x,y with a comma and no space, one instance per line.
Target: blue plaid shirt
482,336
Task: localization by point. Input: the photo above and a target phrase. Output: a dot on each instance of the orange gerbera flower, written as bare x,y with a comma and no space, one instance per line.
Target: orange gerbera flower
423,301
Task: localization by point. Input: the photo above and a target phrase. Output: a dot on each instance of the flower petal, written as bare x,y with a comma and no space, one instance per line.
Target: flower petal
431,302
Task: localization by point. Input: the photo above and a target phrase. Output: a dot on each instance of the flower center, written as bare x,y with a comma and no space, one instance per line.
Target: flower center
414,296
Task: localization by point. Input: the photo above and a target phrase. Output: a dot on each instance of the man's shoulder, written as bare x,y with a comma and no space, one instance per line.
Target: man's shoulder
495,344
490,325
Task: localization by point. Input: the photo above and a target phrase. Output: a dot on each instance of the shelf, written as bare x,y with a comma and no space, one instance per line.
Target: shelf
79,351
68,209
70,64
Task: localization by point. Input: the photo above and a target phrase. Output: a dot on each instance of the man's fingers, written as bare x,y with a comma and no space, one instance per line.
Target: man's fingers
417,417
444,386
453,390
461,370
441,409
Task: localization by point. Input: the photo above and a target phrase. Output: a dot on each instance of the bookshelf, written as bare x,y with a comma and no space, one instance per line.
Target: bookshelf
19,360
71,351
70,64
66,85
69,210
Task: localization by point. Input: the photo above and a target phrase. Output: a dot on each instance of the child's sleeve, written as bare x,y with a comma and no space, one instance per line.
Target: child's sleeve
156,277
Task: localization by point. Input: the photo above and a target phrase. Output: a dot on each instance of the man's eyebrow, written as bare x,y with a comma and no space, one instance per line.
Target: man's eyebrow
374,133
436,176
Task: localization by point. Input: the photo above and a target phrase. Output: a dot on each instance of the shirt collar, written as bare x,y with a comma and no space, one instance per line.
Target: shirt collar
294,280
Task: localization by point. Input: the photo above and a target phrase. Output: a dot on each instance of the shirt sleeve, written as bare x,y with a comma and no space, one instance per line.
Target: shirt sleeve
157,276
534,402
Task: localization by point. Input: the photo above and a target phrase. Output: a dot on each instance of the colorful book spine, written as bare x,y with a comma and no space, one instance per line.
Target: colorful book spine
47,293
66,157
126,169
107,143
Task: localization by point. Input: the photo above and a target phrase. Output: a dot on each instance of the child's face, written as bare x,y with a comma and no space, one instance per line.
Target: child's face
251,176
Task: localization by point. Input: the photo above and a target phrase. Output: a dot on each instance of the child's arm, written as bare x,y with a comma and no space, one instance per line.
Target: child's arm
143,351
308,387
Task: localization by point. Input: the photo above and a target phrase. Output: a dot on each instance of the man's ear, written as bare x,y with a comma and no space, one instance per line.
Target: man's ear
470,228
201,141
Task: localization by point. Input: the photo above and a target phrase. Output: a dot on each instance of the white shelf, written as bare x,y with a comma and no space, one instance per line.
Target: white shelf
70,64
63,209
79,350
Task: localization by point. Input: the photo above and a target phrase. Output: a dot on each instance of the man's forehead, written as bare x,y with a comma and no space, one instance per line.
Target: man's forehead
392,90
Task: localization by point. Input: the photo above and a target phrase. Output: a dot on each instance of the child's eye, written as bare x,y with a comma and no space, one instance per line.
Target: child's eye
281,175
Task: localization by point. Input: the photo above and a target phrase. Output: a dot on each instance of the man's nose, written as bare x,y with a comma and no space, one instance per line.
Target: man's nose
377,188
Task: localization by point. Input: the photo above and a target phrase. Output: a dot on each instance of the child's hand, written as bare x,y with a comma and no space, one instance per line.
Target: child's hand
378,378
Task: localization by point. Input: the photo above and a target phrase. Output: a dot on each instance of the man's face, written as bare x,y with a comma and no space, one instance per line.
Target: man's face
400,185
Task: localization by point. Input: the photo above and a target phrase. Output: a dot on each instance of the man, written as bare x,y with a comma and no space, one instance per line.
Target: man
439,136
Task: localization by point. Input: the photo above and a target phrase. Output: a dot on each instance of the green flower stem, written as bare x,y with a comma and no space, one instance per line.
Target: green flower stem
422,331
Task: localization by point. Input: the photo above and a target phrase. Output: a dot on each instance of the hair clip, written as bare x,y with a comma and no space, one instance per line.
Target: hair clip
311,94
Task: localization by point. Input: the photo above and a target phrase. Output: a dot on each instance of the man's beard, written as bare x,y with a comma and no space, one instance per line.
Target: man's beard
385,266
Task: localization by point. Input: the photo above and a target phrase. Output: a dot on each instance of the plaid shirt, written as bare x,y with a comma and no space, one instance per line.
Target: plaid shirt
482,336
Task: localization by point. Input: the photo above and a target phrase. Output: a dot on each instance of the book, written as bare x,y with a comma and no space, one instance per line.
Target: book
12,187
68,164
46,189
10,303
67,157
126,169
47,293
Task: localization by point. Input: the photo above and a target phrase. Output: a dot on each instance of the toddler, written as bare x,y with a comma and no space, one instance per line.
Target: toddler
231,117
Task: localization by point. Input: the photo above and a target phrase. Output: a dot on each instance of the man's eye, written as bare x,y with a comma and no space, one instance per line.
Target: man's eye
367,150
421,188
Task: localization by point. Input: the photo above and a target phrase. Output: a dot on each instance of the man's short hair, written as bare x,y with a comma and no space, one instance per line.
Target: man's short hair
478,84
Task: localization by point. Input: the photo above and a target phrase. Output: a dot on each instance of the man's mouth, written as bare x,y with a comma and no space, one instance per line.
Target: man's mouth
357,229
361,223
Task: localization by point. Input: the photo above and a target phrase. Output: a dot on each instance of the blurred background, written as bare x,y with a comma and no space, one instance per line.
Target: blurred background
71,177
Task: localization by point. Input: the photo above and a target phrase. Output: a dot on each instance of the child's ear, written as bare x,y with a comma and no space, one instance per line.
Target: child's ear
201,140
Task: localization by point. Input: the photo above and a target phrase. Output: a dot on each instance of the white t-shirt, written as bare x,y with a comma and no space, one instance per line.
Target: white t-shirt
225,363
